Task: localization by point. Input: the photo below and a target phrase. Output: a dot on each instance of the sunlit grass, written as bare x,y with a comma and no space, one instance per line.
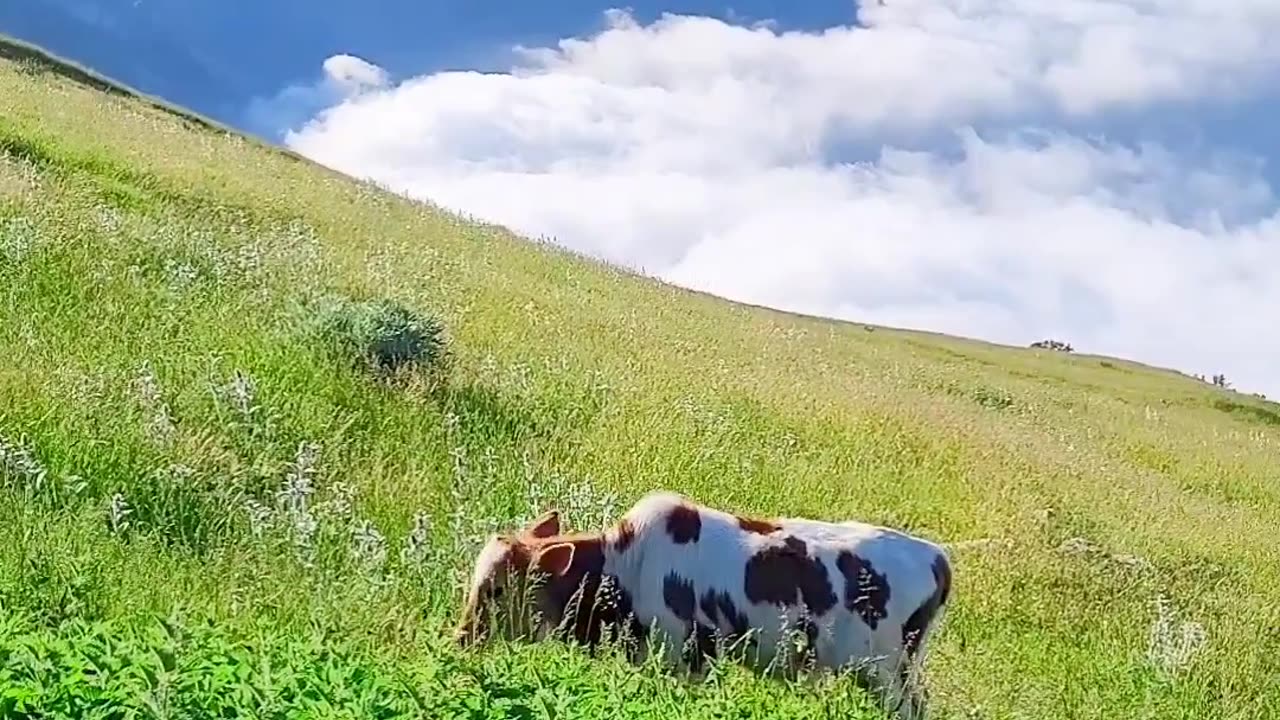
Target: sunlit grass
203,508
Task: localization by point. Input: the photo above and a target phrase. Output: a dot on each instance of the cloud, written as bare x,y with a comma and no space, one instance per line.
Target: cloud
824,172
343,77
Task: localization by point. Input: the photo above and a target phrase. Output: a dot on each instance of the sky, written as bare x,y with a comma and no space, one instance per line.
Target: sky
1094,171
1100,172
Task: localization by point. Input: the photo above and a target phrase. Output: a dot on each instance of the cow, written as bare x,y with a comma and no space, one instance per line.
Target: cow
691,579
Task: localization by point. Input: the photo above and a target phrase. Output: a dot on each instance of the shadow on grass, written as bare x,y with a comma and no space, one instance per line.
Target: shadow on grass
1250,412
484,415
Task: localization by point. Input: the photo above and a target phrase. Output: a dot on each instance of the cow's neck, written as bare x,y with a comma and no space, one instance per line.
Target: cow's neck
578,588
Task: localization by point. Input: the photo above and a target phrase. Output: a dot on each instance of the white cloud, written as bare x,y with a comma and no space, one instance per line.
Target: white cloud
709,155
344,77
350,76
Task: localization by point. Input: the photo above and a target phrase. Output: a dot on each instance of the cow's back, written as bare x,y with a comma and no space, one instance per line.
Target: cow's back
856,585
886,584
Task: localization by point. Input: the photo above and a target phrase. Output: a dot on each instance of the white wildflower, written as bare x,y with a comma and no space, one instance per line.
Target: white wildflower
1172,648
108,218
1077,546
160,425
579,500
249,258
415,545
259,517
18,463
459,457
304,529
368,545
178,473
298,487
241,394
294,499
340,503
180,274
118,512
17,237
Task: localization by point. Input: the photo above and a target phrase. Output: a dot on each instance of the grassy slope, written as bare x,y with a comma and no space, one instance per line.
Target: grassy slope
132,238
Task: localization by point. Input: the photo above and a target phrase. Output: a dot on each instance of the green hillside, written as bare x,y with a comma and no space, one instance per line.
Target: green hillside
163,377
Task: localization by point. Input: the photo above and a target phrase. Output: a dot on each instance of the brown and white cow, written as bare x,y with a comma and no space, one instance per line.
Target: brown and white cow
682,574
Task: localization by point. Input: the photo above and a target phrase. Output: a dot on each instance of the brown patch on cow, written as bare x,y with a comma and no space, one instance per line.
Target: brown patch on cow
786,575
567,595
681,599
677,592
570,591
758,526
583,603
810,629
684,524
866,592
474,623
703,646
796,544
709,609
723,614
544,526
913,629
625,534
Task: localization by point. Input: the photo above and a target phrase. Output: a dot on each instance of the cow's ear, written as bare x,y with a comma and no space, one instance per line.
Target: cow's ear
556,559
545,526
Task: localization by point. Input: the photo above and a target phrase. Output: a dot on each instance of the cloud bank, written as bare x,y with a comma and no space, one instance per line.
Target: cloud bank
918,170
343,77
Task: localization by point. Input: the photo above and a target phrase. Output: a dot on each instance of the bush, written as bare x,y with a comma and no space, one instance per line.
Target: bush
382,335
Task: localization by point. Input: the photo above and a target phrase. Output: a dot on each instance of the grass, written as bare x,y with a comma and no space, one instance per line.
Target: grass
205,513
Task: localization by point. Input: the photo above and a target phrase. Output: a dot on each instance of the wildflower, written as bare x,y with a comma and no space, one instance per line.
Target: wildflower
249,258
340,503
17,236
415,546
160,425
259,517
298,487
294,496
118,512
181,274
1171,649
368,545
241,394
179,472
304,530
579,500
18,462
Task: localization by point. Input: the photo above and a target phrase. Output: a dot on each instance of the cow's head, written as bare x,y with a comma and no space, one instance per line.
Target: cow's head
513,586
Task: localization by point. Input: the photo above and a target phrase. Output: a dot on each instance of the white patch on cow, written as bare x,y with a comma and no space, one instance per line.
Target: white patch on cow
718,562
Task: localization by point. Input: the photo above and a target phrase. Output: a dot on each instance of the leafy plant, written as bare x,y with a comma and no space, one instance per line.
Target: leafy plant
381,334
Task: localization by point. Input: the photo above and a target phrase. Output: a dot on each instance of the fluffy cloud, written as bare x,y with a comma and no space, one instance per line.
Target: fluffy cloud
344,77
822,172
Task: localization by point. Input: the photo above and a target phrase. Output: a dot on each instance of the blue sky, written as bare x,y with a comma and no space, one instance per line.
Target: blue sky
1097,171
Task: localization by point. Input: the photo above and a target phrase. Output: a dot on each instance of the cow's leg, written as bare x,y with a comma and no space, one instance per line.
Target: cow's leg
905,693
670,633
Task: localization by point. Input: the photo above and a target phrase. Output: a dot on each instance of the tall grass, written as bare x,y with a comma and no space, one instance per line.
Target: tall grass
205,510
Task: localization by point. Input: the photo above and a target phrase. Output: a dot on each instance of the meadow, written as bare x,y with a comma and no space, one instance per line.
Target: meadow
207,511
